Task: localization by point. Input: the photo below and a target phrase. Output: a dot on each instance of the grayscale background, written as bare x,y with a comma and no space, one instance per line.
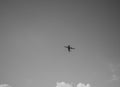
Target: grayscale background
33,35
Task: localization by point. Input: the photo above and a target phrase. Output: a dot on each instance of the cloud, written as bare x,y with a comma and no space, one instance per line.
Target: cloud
114,77
4,85
83,85
63,84
114,70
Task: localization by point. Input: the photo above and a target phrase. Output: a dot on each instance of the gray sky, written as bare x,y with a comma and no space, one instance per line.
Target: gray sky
33,35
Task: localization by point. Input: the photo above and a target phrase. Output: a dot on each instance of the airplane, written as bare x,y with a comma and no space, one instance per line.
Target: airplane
69,48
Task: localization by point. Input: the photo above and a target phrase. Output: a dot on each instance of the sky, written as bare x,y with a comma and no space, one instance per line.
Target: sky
33,35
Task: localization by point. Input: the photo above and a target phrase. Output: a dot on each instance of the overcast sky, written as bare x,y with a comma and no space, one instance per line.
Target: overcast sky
33,35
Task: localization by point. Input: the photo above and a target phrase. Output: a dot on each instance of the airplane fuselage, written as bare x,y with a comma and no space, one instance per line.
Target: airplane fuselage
69,48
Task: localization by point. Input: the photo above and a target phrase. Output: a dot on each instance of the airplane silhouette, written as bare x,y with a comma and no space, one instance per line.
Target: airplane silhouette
69,48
